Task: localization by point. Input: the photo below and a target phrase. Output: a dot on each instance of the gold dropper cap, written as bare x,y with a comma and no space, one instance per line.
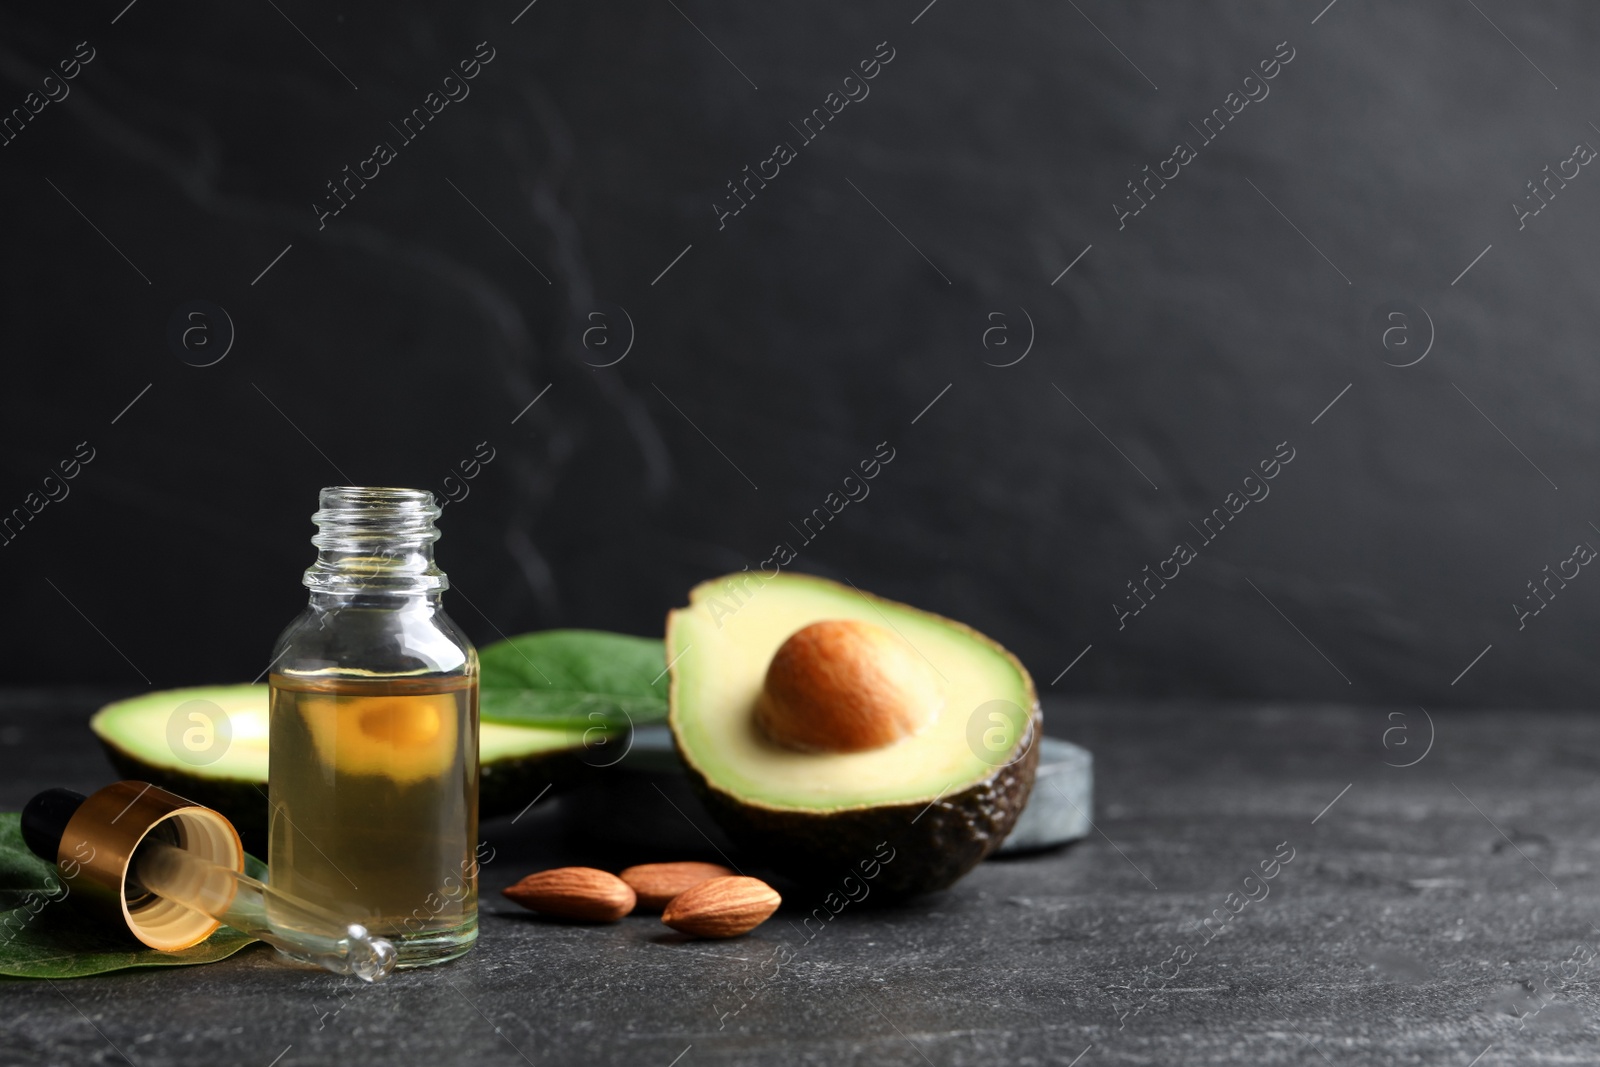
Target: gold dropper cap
97,849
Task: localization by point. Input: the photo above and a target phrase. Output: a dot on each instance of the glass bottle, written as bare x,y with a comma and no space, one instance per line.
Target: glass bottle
374,733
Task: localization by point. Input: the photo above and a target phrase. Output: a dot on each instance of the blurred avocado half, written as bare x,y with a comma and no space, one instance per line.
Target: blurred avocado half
209,745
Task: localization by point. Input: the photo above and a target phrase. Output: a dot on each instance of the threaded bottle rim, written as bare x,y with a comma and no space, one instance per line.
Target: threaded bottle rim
375,539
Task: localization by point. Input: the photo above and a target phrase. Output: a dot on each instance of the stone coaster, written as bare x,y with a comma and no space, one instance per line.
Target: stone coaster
1062,801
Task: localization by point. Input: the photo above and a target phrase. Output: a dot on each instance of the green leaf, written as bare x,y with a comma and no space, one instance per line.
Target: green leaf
574,679
42,935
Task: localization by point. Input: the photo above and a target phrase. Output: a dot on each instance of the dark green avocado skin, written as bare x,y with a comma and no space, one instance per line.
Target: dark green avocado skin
933,845
506,786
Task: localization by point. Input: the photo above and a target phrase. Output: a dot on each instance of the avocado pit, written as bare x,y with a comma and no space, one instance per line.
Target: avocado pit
843,685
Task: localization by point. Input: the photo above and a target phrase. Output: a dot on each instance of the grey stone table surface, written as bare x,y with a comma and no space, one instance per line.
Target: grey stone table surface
1439,913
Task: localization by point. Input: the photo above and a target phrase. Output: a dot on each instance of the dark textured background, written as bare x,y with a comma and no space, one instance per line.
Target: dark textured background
389,344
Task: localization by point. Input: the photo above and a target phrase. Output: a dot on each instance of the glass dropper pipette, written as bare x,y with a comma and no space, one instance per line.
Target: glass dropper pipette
297,928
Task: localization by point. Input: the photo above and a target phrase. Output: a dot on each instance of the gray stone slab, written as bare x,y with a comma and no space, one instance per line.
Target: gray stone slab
1061,806
1420,913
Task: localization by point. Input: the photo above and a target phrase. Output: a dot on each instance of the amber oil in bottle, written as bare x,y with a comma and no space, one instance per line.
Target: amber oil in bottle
373,760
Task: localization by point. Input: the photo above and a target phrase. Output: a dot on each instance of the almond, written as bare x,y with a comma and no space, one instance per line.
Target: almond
722,907
657,883
574,893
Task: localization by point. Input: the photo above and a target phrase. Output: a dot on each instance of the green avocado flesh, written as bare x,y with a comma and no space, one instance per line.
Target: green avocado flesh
156,738
942,798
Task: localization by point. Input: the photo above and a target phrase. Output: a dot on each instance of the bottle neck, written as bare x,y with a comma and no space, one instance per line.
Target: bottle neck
374,542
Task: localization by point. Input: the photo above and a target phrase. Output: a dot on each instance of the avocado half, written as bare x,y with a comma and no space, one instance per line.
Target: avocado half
941,799
144,735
